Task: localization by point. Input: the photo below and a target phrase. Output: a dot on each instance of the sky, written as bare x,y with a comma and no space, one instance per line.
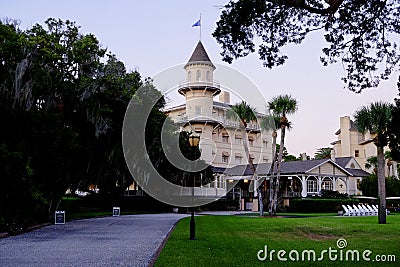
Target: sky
150,36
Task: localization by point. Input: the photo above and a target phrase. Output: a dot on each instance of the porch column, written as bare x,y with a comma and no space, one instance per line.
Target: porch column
319,183
303,186
334,183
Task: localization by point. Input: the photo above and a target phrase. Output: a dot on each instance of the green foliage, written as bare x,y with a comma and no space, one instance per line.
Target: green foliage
330,194
62,103
375,118
394,129
369,186
323,153
242,112
320,204
360,34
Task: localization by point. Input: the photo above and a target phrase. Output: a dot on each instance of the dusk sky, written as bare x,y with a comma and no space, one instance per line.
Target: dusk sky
151,36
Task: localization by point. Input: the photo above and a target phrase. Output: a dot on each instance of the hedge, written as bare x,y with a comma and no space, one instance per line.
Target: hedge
320,205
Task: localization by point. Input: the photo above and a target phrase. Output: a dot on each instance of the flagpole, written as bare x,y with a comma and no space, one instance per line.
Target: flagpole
200,27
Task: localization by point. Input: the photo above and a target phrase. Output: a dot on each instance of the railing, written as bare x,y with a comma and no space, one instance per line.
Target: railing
186,84
224,121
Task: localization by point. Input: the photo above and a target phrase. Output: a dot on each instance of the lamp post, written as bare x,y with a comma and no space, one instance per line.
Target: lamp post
194,141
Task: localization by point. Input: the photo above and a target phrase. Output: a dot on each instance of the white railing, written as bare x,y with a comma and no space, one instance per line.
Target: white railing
186,84
224,121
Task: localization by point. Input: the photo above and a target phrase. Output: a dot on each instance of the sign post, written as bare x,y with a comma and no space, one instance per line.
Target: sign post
59,217
116,211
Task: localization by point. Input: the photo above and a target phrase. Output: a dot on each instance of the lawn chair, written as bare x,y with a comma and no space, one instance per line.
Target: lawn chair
356,210
375,207
351,210
346,211
372,211
365,210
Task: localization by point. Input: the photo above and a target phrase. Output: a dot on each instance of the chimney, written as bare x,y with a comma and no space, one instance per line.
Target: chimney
333,158
303,156
224,97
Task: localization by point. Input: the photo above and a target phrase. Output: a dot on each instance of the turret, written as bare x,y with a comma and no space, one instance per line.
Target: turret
199,87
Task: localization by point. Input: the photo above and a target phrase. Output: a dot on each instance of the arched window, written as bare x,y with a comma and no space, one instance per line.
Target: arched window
312,185
189,76
327,184
198,75
208,76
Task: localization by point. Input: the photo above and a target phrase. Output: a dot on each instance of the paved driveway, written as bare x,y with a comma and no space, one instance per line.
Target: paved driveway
129,240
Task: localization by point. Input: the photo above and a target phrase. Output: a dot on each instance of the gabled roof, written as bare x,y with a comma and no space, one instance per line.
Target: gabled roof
199,54
288,168
343,162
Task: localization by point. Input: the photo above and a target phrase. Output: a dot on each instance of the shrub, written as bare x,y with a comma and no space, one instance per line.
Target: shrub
320,205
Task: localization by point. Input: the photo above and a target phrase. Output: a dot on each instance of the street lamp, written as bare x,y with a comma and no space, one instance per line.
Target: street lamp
194,141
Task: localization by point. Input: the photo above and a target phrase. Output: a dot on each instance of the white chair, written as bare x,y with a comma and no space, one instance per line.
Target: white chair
356,210
351,210
367,212
375,207
372,211
346,211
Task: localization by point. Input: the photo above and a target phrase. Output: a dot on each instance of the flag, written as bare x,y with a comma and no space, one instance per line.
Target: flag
196,24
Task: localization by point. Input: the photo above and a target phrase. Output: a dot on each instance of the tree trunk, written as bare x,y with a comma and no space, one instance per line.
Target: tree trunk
272,176
381,185
278,173
253,169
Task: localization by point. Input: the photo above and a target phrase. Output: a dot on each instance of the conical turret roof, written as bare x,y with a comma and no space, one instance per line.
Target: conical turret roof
199,54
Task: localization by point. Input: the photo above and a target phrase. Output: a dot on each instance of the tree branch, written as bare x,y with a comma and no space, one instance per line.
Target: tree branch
333,5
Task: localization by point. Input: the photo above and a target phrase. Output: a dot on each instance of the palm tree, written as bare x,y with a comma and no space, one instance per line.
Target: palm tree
244,113
281,106
323,153
376,118
271,122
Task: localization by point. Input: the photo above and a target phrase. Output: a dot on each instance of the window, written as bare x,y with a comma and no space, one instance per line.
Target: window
238,160
251,141
327,184
238,140
197,110
208,76
357,153
198,130
265,143
312,185
225,138
225,157
352,166
189,76
198,75
358,184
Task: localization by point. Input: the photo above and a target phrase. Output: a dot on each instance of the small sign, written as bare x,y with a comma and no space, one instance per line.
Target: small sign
59,217
116,211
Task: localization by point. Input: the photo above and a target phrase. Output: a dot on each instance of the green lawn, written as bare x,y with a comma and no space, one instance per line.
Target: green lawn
236,240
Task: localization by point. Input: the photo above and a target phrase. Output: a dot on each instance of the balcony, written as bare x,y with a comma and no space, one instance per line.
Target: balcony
219,119
213,86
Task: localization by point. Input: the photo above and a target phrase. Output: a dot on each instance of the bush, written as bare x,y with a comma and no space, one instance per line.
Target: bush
320,205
